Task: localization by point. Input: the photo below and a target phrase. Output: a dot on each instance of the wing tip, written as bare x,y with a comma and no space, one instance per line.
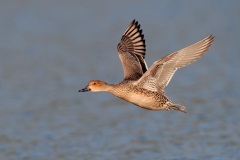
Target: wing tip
132,39
208,40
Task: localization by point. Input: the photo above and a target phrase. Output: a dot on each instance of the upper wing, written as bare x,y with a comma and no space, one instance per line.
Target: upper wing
160,73
131,51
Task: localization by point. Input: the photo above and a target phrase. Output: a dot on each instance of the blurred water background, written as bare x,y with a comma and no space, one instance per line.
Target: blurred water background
51,49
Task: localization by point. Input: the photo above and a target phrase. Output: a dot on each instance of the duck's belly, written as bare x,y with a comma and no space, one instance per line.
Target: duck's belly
149,100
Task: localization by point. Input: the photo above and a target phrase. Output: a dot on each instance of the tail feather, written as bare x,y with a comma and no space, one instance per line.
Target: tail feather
178,107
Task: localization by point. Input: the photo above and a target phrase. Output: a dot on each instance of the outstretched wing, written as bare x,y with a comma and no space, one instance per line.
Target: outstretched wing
160,73
131,51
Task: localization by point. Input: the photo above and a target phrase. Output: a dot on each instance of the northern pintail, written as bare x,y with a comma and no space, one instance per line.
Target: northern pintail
142,86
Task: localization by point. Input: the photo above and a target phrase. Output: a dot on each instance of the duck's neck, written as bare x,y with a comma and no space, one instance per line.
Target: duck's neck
118,89
108,88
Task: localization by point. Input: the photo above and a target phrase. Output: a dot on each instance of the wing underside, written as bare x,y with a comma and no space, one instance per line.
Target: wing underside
131,50
160,73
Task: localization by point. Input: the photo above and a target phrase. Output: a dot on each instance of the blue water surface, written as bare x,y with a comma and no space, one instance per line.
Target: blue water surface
51,49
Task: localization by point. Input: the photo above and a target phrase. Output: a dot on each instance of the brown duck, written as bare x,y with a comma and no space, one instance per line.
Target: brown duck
142,86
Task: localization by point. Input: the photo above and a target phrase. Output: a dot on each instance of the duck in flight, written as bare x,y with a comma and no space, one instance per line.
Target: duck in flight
142,86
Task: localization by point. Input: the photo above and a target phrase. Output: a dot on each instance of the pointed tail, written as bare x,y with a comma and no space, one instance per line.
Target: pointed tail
178,107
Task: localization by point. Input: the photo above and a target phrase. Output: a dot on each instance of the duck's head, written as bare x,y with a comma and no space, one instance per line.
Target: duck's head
95,86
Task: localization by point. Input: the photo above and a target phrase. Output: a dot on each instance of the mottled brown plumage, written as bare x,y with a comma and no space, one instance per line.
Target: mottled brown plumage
145,87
